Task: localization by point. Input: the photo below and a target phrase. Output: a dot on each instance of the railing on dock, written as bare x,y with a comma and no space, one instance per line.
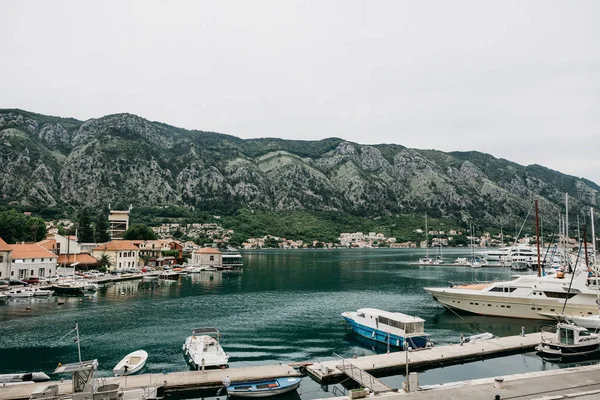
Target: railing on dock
362,377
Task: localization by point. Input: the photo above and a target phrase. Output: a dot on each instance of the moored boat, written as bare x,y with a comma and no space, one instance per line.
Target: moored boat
567,340
393,328
264,388
131,363
24,377
21,293
203,350
37,292
67,288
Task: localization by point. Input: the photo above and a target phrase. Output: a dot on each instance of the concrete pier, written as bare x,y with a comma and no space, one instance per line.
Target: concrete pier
174,382
381,364
582,383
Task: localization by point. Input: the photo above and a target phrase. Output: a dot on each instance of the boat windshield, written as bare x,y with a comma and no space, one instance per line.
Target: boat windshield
414,327
567,336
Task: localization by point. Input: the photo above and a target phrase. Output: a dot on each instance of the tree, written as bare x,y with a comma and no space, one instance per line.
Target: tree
139,232
36,229
84,227
16,227
101,234
105,262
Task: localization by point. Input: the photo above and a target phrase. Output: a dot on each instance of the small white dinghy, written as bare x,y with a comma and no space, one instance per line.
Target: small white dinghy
131,363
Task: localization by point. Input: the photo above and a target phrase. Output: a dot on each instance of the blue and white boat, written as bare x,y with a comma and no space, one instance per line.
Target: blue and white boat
265,388
391,328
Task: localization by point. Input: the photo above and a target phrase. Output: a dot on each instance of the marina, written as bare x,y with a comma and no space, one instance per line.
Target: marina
305,328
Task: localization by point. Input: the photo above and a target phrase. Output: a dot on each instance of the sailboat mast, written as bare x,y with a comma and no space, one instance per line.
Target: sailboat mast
537,238
594,257
426,237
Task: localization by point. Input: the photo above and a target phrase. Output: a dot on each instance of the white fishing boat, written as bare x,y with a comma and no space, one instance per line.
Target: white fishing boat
131,363
91,286
169,274
203,350
21,293
564,340
392,328
37,292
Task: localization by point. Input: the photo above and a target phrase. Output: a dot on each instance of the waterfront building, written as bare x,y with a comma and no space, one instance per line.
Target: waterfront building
29,260
207,257
5,259
153,252
122,254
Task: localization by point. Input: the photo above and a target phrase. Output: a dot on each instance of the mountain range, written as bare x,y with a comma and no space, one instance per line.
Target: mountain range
122,159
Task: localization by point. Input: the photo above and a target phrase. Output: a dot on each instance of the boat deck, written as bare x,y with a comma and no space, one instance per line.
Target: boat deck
380,364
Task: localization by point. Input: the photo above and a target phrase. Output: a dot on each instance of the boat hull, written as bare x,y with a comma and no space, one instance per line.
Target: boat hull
71,291
383,337
511,307
266,388
555,350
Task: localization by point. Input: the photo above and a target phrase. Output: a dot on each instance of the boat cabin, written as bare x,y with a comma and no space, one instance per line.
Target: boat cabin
408,323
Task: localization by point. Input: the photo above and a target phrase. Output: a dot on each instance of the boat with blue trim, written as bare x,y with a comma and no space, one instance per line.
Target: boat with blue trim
264,388
391,328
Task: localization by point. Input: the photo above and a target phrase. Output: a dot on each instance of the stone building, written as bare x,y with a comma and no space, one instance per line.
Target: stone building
207,257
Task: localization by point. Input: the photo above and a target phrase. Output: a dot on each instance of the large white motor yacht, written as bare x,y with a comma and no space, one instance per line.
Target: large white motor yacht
527,296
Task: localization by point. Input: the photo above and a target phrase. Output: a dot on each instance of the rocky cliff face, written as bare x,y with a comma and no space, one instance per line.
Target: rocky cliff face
122,159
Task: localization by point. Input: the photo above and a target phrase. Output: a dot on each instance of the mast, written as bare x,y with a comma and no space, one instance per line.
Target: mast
566,224
537,238
78,345
594,256
426,237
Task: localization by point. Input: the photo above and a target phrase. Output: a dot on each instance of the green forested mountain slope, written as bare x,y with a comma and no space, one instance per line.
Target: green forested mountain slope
122,159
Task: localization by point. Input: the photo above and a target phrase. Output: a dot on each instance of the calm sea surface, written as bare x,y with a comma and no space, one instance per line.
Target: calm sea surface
283,307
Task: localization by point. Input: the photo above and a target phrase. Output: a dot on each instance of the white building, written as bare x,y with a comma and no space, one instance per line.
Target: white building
31,260
122,254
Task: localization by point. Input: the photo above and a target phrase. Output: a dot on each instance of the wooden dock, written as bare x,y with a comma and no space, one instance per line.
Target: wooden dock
381,364
174,383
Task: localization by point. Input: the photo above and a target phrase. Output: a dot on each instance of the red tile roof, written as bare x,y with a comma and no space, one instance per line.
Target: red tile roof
82,258
4,246
48,244
207,250
116,245
22,251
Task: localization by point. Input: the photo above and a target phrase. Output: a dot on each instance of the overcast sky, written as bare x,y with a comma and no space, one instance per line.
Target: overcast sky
519,80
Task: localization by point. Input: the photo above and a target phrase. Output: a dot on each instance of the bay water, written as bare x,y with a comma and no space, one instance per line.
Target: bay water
283,306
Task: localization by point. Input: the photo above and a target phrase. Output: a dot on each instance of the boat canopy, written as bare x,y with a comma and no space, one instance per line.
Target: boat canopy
409,323
205,331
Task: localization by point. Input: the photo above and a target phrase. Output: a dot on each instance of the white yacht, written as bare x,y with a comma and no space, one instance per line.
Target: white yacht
37,292
520,254
21,293
527,296
203,349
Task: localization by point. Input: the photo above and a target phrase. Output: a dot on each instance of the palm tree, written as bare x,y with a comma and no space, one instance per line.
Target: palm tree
105,262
